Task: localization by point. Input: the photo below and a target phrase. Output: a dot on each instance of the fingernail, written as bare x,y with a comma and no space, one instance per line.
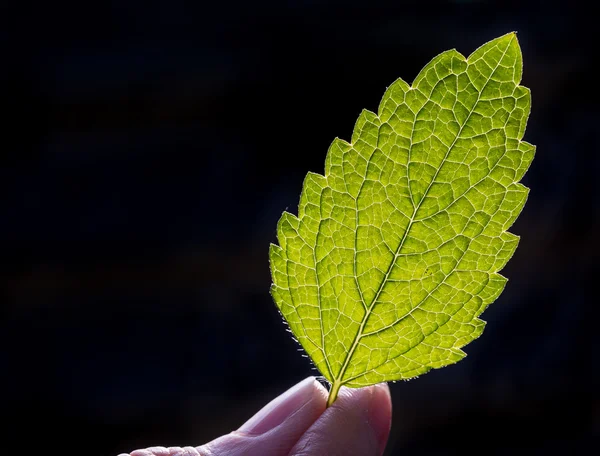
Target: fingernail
379,414
280,408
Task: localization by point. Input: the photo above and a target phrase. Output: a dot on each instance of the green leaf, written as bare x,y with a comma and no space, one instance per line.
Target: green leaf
396,249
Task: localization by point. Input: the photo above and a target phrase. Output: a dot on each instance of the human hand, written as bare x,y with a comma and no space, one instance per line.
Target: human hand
297,423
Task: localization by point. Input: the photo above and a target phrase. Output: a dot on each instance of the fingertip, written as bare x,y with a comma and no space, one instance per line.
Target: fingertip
357,423
276,428
379,414
309,392
320,393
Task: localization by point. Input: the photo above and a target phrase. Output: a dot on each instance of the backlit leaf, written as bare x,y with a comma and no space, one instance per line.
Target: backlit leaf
396,249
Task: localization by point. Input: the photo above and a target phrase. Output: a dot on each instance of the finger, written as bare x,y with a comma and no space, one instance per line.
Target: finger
272,431
277,427
358,423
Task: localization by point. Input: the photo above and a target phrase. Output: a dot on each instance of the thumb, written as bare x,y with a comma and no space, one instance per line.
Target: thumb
358,423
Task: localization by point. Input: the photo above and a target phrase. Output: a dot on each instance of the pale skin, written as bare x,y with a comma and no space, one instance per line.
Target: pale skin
299,423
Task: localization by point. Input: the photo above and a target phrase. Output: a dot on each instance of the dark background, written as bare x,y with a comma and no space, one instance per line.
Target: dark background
149,150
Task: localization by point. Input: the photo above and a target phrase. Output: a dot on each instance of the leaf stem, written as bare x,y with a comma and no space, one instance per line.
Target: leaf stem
333,393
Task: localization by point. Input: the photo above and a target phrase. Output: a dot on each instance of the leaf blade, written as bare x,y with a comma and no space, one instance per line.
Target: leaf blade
396,249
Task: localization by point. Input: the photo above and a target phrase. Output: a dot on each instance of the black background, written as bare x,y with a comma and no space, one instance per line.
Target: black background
148,151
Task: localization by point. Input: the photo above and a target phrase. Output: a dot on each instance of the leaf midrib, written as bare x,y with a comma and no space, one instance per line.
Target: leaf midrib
359,334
